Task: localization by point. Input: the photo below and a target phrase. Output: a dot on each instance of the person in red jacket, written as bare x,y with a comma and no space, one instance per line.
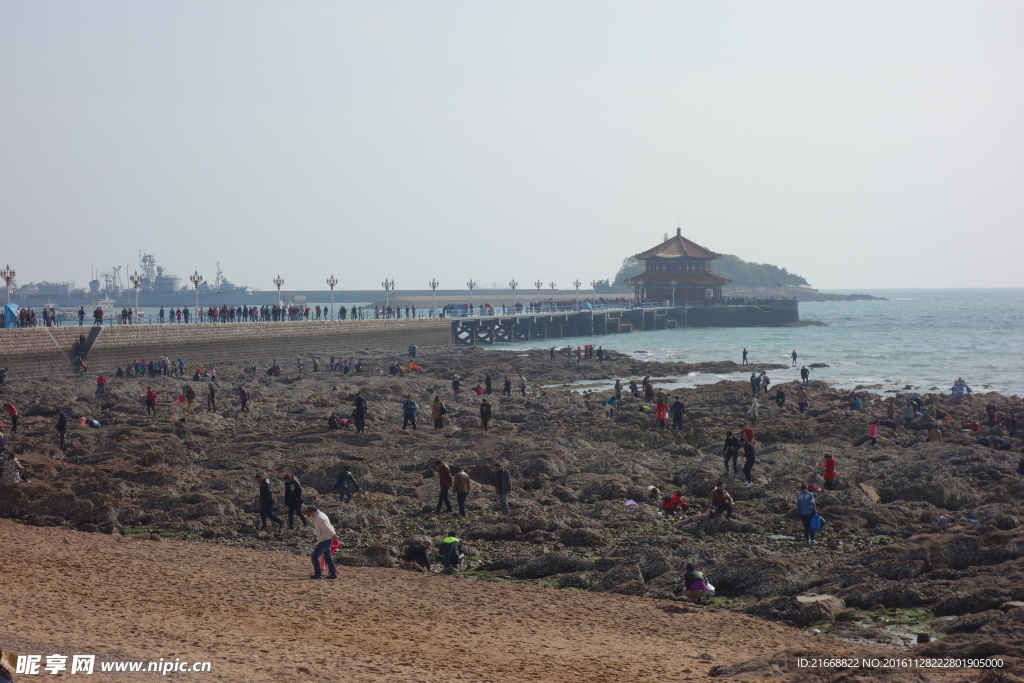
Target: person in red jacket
830,471
672,503
150,401
661,412
748,434
13,413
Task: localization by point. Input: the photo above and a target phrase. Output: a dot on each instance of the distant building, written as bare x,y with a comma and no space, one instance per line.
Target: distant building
678,269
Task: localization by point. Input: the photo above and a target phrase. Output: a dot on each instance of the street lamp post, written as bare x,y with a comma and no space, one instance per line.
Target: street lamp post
471,285
278,281
513,284
136,280
538,284
195,278
332,282
576,283
388,285
778,289
433,296
7,274
673,283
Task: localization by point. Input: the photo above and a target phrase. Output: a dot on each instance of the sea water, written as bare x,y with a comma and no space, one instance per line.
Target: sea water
918,338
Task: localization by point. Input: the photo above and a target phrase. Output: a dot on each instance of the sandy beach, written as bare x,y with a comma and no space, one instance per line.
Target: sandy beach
256,617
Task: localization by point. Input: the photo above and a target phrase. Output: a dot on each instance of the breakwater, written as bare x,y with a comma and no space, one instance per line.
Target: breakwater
512,328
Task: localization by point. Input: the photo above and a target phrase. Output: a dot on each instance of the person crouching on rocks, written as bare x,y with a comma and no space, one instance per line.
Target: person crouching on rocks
418,552
670,504
652,495
697,587
720,501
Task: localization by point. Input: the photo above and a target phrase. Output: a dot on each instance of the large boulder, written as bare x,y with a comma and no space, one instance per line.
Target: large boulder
586,538
800,611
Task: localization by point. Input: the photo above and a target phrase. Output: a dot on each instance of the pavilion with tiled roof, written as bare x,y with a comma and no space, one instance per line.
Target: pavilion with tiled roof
679,270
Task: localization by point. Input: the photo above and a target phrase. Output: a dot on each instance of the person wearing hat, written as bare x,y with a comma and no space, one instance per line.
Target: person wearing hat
325,534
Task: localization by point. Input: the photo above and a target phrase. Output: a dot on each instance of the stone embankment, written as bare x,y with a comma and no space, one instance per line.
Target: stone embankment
48,351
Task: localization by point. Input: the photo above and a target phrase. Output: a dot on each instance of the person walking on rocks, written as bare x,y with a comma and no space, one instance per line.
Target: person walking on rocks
293,499
748,462
806,507
437,411
487,384
745,356
801,401
444,482
610,405
522,385
793,356
503,486
461,486
243,398
267,504
752,411
456,385
359,413
731,450
618,389
12,412
325,536
485,413
677,414
343,485
211,398
908,415
190,397
507,390
661,412
409,410
830,471
150,401
805,376
62,429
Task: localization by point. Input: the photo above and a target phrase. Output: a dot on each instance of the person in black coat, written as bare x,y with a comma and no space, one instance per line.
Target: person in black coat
62,428
267,504
293,499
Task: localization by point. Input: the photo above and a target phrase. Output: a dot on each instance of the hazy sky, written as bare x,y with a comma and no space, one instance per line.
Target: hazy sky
859,144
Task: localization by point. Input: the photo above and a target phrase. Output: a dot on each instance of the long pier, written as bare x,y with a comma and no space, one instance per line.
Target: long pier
497,329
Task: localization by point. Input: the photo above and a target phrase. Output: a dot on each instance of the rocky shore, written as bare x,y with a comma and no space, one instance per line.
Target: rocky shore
881,573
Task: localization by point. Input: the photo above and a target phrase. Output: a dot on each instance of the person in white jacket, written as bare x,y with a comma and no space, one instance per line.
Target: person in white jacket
325,535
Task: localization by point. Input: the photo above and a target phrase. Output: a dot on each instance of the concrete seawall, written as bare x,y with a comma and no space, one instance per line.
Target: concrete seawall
39,351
